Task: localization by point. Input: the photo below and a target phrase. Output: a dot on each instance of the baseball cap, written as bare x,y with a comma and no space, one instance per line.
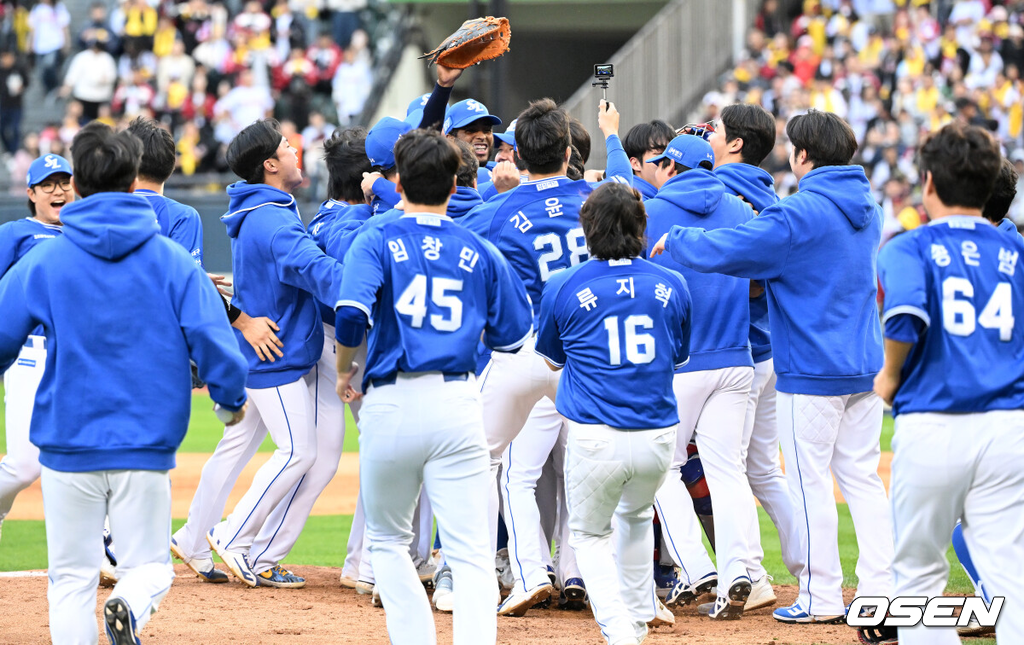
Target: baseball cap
45,166
382,137
509,135
465,112
687,150
417,103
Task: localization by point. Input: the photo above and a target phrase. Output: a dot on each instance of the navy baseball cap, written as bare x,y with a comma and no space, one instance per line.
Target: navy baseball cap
382,137
45,166
509,135
417,103
688,150
465,112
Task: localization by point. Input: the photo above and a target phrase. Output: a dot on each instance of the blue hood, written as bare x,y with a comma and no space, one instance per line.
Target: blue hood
751,183
109,225
848,188
696,191
245,198
463,201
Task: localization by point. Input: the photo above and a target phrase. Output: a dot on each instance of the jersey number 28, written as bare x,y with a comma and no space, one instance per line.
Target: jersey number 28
413,302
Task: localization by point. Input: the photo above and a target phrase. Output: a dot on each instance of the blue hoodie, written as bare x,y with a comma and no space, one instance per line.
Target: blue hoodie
464,200
816,249
125,308
279,273
720,323
646,188
757,187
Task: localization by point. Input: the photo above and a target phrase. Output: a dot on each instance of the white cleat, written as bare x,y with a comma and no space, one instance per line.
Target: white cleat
761,594
662,616
519,602
443,599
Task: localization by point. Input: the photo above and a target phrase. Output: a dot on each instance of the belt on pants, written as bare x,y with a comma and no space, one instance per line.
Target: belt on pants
391,378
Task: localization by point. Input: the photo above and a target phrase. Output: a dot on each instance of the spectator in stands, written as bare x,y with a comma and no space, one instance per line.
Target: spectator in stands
97,28
965,16
50,38
985,64
140,24
23,158
214,53
241,106
326,57
14,78
1012,50
194,20
353,82
177,64
91,77
133,96
345,19
165,37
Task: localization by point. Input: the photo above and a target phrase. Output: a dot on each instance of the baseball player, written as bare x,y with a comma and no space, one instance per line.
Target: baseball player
279,271
712,388
428,288
645,141
536,227
49,190
743,137
111,264
619,325
953,357
470,121
826,345
506,172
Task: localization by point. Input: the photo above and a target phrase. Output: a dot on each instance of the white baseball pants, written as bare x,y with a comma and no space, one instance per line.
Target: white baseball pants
20,466
764,471
425,431
612,473
840,433
138,503
712,405
285,523
512,383
529,545
945,466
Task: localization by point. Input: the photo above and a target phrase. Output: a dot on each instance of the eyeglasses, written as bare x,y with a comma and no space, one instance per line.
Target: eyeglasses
49,185
702,130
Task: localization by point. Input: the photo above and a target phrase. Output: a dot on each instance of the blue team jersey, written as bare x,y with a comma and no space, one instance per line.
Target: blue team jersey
178,221
21,236
430,288
536,226
963,278
335,221
621,328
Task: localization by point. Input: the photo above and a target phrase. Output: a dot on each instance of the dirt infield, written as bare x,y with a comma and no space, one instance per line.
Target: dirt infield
338,499
323,612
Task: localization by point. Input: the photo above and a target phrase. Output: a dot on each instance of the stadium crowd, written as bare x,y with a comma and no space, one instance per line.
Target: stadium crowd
895,70
204,68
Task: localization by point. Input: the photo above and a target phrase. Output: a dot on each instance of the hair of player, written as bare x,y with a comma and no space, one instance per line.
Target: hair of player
542,137
158,150
345,156
647,137
104,161
1003,193
614,222
576,168
427,163
468,164
580,138
251,147
964,162
825,137
755,126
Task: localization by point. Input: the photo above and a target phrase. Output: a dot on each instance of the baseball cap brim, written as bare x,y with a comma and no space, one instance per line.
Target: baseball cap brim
490,118
506,137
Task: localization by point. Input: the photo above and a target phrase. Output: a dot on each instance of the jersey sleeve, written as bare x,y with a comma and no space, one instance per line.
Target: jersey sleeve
359,288
757,250
384,195
902,274
17,322
509,310
549,339
301,264
188,232
8,248
684,308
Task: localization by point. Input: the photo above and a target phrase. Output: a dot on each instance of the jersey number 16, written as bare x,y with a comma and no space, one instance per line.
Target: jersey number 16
639,347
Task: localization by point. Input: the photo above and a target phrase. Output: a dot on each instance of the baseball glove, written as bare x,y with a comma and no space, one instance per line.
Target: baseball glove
476,40
877,635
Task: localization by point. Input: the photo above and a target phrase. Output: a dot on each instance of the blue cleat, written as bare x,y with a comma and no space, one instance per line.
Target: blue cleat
797,614
279,577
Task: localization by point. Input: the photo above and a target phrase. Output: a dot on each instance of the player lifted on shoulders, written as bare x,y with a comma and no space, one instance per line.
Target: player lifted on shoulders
619,325
954,373
428,288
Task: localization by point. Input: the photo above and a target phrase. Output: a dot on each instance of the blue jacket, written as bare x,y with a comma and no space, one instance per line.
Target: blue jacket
123,309
720,322
645,187
179,222
464,200
816,249
757,187
279,272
